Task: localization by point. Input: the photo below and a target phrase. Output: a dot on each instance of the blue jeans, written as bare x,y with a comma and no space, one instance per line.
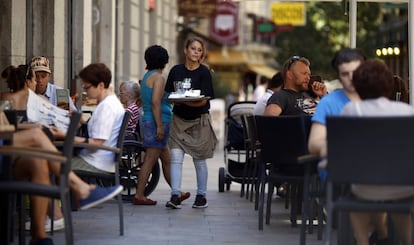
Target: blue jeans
177,157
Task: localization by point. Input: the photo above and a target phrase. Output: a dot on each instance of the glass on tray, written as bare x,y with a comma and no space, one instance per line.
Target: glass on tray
178,87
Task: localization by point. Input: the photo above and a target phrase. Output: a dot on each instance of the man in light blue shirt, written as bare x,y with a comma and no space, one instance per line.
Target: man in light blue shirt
40,65
344,62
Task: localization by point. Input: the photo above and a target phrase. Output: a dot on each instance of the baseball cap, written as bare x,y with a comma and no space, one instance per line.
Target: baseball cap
40,63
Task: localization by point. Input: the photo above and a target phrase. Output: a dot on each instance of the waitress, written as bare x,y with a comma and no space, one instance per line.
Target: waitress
191,130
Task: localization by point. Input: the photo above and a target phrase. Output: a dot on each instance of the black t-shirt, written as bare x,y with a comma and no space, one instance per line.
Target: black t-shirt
292,102
200,79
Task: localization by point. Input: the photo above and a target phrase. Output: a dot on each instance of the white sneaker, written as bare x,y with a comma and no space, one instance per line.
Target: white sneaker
58,224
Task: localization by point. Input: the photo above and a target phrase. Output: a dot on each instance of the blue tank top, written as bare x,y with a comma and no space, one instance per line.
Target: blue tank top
146,96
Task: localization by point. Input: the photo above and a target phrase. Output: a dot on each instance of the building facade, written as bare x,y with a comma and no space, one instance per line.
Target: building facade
73,34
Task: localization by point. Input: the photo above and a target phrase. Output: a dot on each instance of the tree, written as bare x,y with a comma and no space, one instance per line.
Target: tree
327,31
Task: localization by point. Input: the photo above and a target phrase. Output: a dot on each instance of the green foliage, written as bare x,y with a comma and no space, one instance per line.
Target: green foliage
327,31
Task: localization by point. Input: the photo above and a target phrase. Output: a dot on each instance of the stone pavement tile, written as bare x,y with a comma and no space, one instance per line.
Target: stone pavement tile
229,219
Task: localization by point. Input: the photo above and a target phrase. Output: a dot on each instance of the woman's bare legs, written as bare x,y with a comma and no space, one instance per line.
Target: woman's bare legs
150,158
362,223
379,221
35,137
57,212
402,222
166,164
36,171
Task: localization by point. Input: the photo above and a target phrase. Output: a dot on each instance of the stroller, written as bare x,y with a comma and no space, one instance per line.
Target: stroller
234,144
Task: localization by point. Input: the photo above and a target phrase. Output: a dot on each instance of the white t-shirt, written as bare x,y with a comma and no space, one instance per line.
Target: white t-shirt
261,103
105,124
259,91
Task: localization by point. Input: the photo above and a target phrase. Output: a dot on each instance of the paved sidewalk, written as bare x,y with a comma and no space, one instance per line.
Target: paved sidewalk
229,219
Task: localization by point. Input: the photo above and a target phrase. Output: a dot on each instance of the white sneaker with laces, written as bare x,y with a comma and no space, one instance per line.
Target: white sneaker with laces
58,224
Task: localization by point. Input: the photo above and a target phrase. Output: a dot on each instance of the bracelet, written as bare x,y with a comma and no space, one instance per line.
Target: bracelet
86,140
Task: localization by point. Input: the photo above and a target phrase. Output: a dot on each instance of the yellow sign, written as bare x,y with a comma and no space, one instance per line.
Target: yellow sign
289,13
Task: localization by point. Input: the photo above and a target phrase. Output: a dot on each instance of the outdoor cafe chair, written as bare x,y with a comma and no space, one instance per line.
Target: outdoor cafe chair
371,151
249,177
283,139
313,194
109,178
11,186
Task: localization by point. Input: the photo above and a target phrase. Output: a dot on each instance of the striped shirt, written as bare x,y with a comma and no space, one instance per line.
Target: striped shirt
135,116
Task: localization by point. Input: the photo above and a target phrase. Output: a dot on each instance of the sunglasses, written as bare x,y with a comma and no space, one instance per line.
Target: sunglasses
292,60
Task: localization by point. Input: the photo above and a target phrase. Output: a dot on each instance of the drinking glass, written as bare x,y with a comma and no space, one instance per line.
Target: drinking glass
178,87
187,84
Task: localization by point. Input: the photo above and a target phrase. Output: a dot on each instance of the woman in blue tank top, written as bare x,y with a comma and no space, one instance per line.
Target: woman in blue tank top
155,121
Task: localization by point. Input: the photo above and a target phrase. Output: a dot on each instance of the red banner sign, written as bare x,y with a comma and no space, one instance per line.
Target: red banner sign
224,26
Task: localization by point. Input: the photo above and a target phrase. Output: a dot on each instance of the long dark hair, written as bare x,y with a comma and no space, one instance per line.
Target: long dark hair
16,76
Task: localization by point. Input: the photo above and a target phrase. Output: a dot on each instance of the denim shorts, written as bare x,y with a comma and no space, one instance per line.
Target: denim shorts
150,131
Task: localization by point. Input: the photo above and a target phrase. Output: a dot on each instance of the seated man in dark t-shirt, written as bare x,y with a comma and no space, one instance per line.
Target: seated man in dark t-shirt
292,100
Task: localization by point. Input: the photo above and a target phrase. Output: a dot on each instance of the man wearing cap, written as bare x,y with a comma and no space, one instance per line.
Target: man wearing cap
40,65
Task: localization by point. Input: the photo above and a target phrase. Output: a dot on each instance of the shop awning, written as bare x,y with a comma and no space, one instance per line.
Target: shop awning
252,61
228,57
263,70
